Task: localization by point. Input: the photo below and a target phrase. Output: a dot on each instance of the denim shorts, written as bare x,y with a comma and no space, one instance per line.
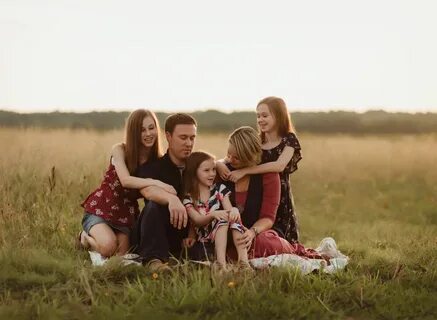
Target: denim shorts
90,220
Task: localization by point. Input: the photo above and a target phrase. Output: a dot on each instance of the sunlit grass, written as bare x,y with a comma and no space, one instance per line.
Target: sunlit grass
376,195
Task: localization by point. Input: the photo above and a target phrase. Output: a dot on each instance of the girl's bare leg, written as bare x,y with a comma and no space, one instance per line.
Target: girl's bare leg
123,243
102,239
241,250
220,241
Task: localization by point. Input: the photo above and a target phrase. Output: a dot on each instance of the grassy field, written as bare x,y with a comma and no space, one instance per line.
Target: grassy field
376,195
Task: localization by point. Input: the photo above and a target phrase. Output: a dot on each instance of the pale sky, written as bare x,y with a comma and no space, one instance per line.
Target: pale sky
190,55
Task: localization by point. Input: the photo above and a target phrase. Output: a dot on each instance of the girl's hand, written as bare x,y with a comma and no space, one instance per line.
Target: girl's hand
168,188
188,242
234,215
246,238
221,215
236,175
222,170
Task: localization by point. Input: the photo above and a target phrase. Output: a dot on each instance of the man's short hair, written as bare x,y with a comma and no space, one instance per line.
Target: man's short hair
178,118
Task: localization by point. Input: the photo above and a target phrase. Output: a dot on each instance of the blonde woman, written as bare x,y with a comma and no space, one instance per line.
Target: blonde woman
257,197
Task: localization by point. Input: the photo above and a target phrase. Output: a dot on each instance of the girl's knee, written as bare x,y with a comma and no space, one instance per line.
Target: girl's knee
123,244
108,247
236,233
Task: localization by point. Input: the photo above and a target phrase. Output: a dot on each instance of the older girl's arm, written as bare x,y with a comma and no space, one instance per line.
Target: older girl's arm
274,166
222,169
128,181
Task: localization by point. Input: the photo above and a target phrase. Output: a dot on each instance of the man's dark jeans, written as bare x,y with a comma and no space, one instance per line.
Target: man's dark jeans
154,237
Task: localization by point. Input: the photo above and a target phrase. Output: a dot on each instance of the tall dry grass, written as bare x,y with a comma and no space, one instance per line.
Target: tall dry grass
376,195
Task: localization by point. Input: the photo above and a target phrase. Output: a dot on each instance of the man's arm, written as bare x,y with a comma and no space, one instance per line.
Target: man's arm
157,195
178,214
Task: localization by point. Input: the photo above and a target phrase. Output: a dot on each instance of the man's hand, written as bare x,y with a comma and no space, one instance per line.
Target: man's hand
178,214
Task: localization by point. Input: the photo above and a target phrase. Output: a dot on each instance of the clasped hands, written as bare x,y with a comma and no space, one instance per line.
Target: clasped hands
232,215
228,175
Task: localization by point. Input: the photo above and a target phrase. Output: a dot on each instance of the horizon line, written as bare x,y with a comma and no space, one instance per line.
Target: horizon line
159,110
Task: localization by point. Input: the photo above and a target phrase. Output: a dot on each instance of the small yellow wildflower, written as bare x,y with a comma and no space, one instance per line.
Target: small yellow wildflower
231,284
154,276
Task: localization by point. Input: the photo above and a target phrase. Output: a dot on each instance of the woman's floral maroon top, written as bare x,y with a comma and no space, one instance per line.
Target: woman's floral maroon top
112,202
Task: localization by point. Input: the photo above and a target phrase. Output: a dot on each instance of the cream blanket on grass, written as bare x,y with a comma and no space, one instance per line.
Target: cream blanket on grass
327,247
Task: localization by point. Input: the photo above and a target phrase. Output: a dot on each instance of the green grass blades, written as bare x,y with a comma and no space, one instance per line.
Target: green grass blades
376,196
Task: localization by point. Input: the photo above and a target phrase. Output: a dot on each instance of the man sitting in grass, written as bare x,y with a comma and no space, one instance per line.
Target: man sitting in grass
163,222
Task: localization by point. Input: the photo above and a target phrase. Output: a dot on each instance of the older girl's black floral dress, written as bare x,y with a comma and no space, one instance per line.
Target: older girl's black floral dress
286,221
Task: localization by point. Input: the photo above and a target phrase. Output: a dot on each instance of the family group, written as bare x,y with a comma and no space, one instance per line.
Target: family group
228,211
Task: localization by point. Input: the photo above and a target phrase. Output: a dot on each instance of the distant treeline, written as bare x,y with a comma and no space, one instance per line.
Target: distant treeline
214,121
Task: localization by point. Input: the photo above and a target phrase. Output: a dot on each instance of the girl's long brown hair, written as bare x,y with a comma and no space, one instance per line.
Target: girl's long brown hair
191,183
133,144
278,109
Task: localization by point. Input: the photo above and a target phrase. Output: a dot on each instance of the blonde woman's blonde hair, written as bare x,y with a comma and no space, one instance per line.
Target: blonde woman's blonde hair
247,144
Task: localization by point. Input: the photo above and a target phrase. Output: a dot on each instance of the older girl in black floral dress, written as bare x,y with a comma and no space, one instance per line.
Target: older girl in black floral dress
281,153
